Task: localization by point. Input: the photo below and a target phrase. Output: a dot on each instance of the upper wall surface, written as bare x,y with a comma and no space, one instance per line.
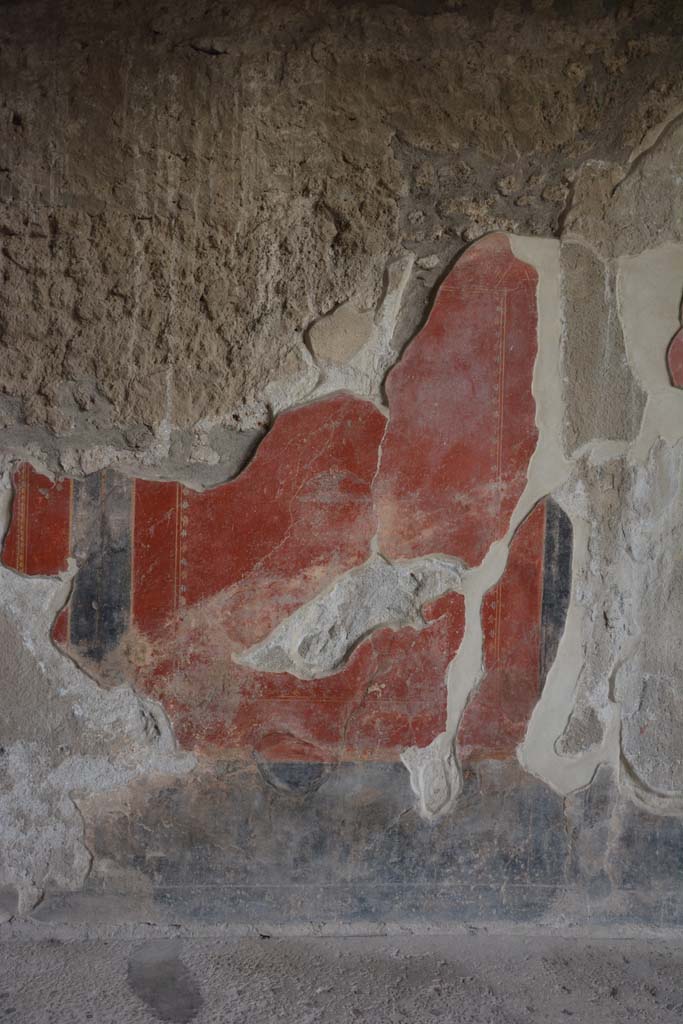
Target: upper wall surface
185,192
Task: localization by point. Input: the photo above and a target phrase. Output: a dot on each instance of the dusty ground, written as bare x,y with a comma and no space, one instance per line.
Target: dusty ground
469,977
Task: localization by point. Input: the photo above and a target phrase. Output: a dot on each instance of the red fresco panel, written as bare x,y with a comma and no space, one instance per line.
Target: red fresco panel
674,359
37,541
391,694
462,428
252,550
297,517
496,718
213,572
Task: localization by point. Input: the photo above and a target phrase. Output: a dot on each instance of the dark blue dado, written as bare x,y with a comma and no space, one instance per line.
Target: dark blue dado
344,845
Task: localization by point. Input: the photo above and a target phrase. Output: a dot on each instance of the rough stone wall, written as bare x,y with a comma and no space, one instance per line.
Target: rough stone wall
186,193
342,432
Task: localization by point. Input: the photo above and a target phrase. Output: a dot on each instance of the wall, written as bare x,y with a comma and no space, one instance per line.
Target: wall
342,437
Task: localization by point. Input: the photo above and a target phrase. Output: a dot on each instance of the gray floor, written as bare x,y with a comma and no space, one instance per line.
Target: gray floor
459,978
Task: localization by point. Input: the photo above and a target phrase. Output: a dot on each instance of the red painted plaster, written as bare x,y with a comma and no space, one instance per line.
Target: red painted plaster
391,694
462,428
674,359
259,546
495,719
37,541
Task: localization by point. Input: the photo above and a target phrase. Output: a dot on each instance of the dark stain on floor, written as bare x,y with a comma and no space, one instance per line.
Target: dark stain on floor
158,977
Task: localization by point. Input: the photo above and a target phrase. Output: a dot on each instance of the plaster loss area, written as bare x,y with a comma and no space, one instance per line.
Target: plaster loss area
630,588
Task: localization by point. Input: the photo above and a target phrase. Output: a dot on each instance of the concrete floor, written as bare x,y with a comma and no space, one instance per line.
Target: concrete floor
463,978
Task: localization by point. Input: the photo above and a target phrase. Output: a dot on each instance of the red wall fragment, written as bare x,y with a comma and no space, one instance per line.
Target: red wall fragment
390,694
37,541
674,359
213,572
462,427
495,719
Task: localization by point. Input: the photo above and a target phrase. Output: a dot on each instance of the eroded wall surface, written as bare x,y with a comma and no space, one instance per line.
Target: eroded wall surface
342,441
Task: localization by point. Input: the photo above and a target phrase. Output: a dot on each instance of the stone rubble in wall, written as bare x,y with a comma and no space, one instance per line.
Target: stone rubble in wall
356,348
216,448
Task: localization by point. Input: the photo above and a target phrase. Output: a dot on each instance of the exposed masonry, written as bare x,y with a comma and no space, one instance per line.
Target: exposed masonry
183,206
210,451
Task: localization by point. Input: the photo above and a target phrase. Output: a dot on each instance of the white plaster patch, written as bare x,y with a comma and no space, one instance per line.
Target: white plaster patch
649,289
318,637
435,777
